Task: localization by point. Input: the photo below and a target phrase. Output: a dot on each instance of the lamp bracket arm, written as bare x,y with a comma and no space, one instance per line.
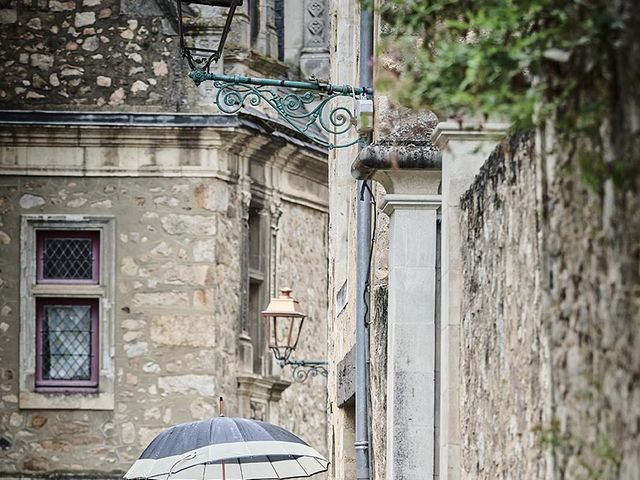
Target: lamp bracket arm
312,108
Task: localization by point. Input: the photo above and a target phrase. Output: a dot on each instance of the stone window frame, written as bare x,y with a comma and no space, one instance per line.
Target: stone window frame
103,291
258,278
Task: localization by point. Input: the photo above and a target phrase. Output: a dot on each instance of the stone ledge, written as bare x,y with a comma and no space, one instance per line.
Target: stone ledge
73,401
472,130
397,155
346,376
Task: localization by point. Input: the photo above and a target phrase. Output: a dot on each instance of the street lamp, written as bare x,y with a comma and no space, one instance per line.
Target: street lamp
283,320
198,57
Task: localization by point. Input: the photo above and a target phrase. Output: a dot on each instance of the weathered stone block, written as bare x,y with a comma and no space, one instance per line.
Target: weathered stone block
8,15
196,275
192,224
136,349
57,6
28,201
160,299
211,197
183,384
37,421
83,19
183,330
204,251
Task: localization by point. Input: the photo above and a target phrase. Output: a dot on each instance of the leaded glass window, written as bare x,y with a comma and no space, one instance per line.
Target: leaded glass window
67,257
67,342
67,326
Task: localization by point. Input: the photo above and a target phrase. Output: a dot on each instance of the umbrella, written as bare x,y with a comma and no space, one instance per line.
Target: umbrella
227,448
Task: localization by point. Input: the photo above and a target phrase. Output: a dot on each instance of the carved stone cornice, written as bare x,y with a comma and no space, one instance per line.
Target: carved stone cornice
257,394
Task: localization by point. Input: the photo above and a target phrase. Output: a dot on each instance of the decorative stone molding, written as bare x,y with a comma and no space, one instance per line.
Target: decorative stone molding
393,202
276,212
258,410
474,130
403,158
245,352
258,397
315,22
314,59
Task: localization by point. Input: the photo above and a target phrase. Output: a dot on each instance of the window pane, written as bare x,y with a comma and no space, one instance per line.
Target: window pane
66,342
67,258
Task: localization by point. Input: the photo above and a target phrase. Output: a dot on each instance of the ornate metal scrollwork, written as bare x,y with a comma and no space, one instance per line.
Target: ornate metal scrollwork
311,108
305,112
303,370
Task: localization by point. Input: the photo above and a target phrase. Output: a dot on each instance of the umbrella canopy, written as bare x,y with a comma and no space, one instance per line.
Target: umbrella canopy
227,448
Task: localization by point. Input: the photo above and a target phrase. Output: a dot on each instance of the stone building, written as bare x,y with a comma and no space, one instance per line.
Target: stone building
141,231
503,326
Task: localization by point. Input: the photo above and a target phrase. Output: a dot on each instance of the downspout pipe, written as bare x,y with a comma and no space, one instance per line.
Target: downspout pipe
363,244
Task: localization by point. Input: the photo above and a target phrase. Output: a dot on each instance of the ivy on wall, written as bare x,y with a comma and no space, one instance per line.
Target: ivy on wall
575,61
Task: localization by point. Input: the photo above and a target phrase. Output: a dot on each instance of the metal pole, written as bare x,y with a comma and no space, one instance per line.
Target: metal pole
200,76
363,244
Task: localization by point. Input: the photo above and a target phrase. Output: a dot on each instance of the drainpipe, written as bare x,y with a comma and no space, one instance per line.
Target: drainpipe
363,243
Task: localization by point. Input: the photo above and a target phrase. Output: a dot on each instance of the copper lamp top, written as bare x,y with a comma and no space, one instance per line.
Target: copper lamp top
283,306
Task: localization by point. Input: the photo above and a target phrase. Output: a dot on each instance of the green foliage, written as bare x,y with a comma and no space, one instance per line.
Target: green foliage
576,61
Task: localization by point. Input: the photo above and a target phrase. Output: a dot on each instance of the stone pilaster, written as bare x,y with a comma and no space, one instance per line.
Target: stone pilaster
463,153
244,191
274,227
411,369
314,59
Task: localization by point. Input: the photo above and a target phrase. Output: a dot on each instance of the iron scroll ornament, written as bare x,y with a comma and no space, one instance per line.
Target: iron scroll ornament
308,107
302,370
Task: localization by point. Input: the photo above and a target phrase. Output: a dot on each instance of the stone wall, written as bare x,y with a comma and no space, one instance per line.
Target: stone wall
176,301
176,327
302,266
551,321
89,54
119,54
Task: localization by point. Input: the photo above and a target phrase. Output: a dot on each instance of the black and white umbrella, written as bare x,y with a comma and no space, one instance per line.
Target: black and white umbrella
227,448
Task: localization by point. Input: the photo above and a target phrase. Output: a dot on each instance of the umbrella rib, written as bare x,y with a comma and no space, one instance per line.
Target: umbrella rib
274,468
302,467
325,467
240,467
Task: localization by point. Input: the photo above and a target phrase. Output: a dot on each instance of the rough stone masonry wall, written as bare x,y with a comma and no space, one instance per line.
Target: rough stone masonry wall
303,266
551,328
89,54
176,310
177,285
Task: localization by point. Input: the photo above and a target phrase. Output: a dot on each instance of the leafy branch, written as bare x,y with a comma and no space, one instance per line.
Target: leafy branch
574,61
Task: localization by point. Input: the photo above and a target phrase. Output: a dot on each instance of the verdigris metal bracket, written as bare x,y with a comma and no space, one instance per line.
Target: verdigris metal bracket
308,107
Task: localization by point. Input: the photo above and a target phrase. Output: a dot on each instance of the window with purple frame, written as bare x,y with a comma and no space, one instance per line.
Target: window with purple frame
66,327
68,257
66,343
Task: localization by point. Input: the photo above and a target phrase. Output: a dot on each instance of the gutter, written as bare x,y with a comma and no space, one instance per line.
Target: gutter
363,244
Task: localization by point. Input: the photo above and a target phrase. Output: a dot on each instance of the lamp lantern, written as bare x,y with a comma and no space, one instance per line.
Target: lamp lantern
201,58
283,320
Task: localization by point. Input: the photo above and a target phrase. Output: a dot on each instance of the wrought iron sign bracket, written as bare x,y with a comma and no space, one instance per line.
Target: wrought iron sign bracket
311,108
303,369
